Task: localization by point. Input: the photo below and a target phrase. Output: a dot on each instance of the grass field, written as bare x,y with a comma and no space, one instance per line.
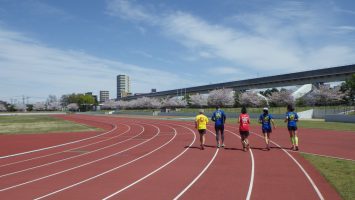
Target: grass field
339,173
39,124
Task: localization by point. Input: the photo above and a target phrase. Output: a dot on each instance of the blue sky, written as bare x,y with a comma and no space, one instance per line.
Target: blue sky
61,47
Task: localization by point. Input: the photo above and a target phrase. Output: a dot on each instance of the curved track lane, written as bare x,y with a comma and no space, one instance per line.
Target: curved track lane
152,159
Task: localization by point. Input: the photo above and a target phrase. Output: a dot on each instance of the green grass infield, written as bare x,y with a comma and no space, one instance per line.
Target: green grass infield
339,173
39,124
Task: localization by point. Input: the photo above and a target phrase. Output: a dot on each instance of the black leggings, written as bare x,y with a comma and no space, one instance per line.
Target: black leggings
219,129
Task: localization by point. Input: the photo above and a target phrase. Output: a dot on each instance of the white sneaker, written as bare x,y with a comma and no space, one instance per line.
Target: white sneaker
223,145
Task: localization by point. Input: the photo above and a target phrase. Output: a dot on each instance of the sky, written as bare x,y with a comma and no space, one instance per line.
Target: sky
62,47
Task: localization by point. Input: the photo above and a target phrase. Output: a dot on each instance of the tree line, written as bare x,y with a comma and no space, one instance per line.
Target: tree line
320,96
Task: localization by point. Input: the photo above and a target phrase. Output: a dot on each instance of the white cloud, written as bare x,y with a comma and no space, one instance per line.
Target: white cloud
125,9
34,69
344,29
42,8
224,71
288,37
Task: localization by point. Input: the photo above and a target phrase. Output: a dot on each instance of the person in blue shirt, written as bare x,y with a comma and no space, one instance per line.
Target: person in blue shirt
219,117
266,120
292,119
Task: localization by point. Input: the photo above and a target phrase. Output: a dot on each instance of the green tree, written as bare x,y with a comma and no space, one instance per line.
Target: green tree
84,101
348,87
187,98
236,98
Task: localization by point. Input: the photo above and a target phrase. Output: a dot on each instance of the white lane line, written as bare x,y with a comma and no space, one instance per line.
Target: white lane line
200,174
252,175
44,156
82,165
108,171
251,183
300,166
69,158
315,154
59,145
153,172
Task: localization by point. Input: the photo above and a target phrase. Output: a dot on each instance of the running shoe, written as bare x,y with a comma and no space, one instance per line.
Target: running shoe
296,149
218,146
223,145
202,147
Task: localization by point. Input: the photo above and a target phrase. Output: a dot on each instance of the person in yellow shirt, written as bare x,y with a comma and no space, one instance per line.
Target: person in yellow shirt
201,122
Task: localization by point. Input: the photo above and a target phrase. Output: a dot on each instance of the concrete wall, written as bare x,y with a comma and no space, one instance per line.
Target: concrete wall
340,118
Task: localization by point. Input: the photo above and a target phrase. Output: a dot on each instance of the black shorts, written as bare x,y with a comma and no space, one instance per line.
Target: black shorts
244,133
217,128
202,131
292,128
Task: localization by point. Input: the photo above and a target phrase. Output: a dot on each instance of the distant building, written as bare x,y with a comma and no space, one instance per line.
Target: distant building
153,90
123,86
104,96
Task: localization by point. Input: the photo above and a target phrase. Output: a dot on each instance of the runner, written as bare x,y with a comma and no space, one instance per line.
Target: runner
292,119
219,118
201,125
244,122
265,120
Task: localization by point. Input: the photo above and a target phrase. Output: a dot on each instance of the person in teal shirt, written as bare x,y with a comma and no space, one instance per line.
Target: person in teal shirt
292,119
219,118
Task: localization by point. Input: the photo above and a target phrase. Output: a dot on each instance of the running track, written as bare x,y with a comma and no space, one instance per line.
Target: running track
156,159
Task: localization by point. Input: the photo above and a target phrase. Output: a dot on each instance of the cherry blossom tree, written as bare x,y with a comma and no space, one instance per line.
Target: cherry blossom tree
174,102
73,107
222,97
281,98
54,106
39,106
198,100
146,102
2,108
109,105
122,104
251,99
21,107
324,95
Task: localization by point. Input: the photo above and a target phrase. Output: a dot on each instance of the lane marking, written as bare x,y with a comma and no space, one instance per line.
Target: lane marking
108,171
59,145
69,158
252,175
35,158
197,177
153,172
70,169
200,174
300,166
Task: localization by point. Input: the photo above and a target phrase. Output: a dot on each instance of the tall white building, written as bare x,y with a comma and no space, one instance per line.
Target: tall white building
104,96
123,86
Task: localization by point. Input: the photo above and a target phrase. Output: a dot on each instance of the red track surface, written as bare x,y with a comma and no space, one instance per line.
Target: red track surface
153,159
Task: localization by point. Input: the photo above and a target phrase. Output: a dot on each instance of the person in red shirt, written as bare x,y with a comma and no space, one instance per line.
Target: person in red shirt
244,121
